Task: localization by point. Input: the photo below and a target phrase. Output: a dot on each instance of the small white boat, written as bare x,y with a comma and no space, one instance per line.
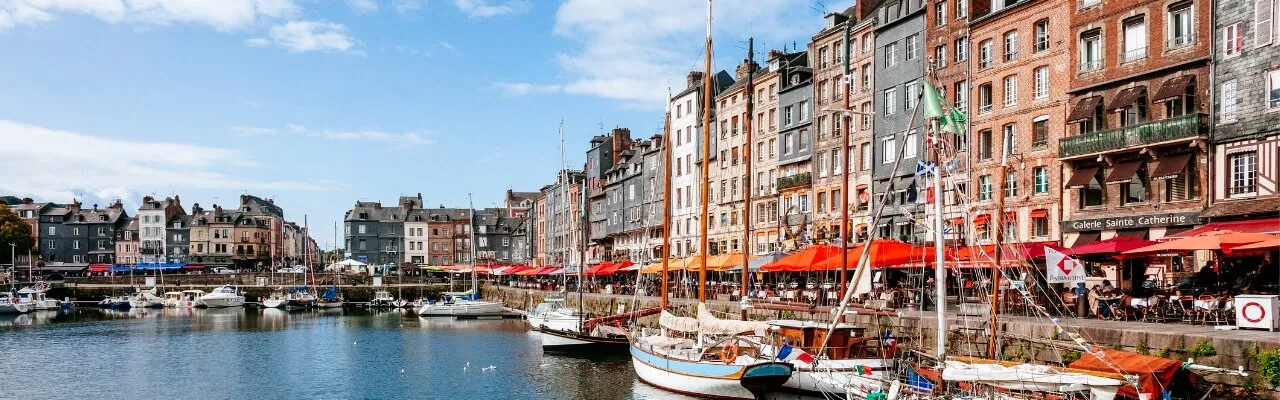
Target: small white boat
35,295
300,298
222,297
383,299
400,303
115,303
146,299
10,304
183,299
552,314
275,300
460,303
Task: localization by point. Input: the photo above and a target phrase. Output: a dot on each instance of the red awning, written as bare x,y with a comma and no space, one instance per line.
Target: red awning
1115,245
1082,177
193,266
595,270
99,267
980,219
1265,225
1039,213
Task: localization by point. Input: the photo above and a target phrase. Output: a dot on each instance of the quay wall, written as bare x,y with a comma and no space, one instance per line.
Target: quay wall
1020,338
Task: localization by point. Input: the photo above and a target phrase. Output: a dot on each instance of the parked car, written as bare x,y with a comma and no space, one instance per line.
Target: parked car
222,270
289,270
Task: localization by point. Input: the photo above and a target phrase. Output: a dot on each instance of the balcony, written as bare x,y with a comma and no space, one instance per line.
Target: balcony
1180,41
1134,54
1090,65
797,180
1184,127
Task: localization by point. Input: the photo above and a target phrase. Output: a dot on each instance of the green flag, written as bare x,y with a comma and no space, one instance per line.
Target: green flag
932,102
954,122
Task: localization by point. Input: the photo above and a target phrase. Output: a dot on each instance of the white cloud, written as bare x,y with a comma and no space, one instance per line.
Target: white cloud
521,89
404,139
631,50
309,36
483,8
363,6
448,46
241,130
48,163
406,6
223,15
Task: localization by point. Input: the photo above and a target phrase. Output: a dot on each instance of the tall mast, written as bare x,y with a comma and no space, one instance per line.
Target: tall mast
564,168
999,228
746,177
666,196
471,224
706,166
582,256
939,270
844,165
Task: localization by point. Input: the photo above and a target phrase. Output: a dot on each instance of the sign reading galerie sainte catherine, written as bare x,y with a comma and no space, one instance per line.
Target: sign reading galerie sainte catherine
1131,221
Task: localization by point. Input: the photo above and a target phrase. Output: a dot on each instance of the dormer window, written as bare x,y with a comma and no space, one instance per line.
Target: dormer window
245,209
102,218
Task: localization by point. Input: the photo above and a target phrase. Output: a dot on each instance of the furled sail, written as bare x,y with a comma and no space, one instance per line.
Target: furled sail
716,326
680,324
1031,377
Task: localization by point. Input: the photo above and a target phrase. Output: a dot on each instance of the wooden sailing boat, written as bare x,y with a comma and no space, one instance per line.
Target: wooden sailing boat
720,361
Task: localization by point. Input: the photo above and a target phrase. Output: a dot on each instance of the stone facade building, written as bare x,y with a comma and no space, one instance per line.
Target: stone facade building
562,220
728,167
764,179
898,128
796,147
687,110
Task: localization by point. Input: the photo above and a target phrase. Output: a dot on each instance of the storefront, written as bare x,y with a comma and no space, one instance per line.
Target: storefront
1129,274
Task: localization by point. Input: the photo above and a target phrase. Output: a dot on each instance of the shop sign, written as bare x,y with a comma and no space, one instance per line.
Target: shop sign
1131,222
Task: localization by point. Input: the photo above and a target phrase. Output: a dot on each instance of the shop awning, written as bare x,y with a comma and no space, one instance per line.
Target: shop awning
1123,172
159,266
1171,166
99,267
193,266
1039,213
1084,238
1082,177
1173,87
1264,225
1127,98
981,219
1115,245
121,268
1083,109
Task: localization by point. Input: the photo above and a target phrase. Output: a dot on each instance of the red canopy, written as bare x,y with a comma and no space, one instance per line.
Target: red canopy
1115,245
1266,225
99,267
610,268
883,253
1153,372
802,261
1027,250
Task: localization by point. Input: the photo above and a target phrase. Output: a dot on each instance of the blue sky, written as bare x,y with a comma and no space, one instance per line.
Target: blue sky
321,103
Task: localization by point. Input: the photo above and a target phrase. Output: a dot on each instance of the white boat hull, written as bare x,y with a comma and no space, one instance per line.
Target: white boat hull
181,303
552,321
722,387
19,308
560,341
328,304
273,303
46,305
223,302
146,303
466,307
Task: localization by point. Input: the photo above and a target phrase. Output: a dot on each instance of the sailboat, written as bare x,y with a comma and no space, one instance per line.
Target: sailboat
145,299
552,313
463,303
331,298
302,296
721,360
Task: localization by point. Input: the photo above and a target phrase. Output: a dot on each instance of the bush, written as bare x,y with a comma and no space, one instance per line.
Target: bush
1203,349
1269,365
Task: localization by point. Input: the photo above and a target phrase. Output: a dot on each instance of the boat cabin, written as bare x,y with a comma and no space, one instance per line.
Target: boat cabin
191,295
847,341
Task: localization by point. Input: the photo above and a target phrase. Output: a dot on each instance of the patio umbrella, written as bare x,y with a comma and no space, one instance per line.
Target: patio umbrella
803,260
883,253
634,267
596,269
613,268
721,262
1216,240
1118,244
759,261
1269,244
674,264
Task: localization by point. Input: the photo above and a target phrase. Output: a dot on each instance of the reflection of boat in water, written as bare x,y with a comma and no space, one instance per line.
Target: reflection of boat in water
222,297
9,304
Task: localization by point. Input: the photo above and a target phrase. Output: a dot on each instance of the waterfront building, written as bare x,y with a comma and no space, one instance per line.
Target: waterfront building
796,147
177,244
442,222
898,132
687,132
728,168
155,216
633,197
764,168
1020,111
1135,148
500,237
30,211
462,222
537,231
96,228
947,68
561,223
266,210
126,251
603,155
416,229
1246,133
252,243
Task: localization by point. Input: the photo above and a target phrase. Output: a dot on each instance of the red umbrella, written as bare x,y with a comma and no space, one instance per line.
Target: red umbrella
1118,244
803,260
883,253
598,267
1270,244
1215,240
613,268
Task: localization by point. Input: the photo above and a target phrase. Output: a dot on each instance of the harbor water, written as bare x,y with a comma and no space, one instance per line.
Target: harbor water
277,354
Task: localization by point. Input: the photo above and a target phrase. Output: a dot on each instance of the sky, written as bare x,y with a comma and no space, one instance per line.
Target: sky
320,103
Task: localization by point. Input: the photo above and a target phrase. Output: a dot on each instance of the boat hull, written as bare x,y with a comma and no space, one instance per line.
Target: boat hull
711,380
19,308
46,305
273,303
569,341
300,303
146,303
763,378
223,302
461,308
181,303
840,381
329,304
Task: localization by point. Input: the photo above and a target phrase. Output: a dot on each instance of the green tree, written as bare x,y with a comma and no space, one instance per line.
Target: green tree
13,230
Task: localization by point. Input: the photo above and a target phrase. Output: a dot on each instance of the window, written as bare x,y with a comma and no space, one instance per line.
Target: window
913,47
940,12
822,202
1135,39
1010,46
53,231
786,143
1229,101
891,55
984,98
890,101
1135,190
1083,4
804,140
836,161
804,111
788,115
1091,195
1040,132
1181,25
1010,90
984,188
1273,88
1040,226
984,54
1091,51
823,57
910,147
940,55
962,95
361,229
1184,104
890,150
822,164
866,116
1232,39
866,157
1042,35
962,9
962,50
866,78
1244,173
1040,176
1011,184
984,145
912,95
75,244
1042,82
1010,138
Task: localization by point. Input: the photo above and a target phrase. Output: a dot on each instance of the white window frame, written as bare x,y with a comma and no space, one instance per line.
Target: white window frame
1232,40
1229,97
1010,46
1041,82
890,150
1243,174
940,55
912,47
910,148
1010,90
891,55
962,49
940,12
1271,97
1129,31
1190,37
985,49
890,101
1041,36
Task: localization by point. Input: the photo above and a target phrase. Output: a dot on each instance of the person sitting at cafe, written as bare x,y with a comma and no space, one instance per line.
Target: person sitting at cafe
1207,277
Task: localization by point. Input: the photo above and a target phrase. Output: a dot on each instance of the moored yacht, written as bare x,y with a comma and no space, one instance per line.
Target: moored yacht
275,300
9,304
330,299
146,299
552,314
222,297
382,299
460,303
183,299
35,295
300,297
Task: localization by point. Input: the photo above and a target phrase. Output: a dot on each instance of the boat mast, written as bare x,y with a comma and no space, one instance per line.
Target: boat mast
305,228
939,270
564,170
746,176
582,257
706,166
999,224
844,165
471,222
666,196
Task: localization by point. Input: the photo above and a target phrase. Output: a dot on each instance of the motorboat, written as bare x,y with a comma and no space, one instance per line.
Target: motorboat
9,304
115,303
382,299
222,297
146,299
35,295
277,299
183,299
330,298
552,314
460,303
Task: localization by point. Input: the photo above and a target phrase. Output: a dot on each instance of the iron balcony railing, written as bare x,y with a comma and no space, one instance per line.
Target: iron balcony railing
1115,139
1090,65
1135,54
800,179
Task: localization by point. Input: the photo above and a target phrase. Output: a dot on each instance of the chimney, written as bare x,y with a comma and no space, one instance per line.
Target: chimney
694,78
621,141
95,206
271,200
118,205
775,54
27,200
147,199
743,69
195,208
244,198
377,206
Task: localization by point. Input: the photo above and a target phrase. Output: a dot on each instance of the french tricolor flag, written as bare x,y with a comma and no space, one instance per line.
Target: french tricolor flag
788,353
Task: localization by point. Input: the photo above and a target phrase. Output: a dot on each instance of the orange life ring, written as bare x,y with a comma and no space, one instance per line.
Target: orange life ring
729,353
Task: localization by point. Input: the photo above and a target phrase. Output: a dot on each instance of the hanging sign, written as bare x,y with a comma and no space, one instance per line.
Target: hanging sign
1062,269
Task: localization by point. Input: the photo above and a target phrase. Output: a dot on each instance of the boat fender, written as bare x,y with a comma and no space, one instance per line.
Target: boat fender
729,353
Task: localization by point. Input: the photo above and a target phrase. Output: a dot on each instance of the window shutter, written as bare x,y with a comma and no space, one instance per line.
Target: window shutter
1264,13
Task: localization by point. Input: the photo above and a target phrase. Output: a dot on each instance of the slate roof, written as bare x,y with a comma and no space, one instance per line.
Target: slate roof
723,80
